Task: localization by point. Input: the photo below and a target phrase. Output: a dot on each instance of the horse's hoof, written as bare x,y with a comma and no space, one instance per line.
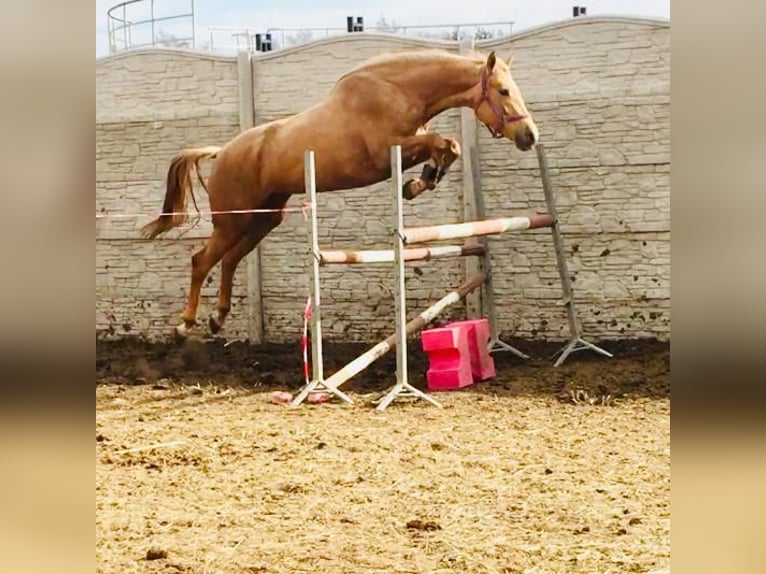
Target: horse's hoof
181,332
413,188
214,325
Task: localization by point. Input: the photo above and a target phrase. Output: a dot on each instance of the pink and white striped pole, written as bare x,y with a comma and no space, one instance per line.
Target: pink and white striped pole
477,228
387,255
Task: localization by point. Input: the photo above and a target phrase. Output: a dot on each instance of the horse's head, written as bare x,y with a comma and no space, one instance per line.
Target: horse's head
501,107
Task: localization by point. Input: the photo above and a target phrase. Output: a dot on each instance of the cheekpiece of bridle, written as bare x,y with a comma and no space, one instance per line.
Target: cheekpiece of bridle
501,118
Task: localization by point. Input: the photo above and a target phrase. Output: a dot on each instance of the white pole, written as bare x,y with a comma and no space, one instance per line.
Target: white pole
316,313
400,294
402,386
317,383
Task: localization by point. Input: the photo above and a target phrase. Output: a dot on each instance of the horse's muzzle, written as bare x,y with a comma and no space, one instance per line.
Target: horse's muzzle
525,138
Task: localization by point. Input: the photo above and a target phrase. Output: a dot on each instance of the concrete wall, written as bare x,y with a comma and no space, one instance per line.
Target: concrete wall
599,89
600,93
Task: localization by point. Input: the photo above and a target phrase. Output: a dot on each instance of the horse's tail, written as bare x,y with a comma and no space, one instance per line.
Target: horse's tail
178,185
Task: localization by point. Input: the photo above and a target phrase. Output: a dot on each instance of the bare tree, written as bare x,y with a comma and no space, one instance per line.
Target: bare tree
479,33
300,37
163,38
484,33
383,25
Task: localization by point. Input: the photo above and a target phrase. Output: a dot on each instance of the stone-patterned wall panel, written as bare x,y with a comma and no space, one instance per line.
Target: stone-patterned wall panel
592,56
165,84
141,289
130,151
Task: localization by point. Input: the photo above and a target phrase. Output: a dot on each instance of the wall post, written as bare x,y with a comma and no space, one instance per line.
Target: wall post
253,259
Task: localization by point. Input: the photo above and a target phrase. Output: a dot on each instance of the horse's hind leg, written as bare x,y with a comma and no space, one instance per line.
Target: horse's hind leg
217,245
261,227
440,152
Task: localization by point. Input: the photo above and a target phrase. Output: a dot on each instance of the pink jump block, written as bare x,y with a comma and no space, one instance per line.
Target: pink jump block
458,354
482,363
449,357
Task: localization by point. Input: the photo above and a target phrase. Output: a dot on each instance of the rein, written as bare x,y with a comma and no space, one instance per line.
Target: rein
501,118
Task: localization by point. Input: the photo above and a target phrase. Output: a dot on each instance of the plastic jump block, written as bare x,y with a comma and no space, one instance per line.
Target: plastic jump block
482,363
449,357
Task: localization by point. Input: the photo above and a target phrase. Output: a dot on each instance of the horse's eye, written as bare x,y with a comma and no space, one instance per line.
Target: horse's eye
504,92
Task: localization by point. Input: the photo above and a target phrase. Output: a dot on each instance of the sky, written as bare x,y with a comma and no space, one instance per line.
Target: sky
262,14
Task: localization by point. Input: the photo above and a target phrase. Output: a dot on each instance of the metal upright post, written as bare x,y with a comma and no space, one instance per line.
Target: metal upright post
317,383
194,25
488,300
576,342
402,387
151,3
125,28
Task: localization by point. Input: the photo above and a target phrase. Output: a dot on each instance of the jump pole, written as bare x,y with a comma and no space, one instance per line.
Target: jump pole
576,342
387,256
477,228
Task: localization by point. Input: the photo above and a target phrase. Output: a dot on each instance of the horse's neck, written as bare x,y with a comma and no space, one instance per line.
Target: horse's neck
446,84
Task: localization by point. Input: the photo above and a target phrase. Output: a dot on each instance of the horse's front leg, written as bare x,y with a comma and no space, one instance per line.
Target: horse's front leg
439,153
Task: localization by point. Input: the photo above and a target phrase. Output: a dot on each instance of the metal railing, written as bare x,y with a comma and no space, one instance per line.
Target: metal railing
139,23
239,38
244,37
142,23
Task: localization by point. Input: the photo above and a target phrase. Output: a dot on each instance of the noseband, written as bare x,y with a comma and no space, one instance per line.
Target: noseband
501,118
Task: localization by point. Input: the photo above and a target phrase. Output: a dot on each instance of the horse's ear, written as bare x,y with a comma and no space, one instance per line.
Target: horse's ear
509,60
491,61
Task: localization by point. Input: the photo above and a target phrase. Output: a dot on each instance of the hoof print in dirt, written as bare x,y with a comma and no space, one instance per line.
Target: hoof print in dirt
156,553
582,397
426,526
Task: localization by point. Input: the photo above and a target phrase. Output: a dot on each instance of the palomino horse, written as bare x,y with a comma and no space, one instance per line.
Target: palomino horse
385,101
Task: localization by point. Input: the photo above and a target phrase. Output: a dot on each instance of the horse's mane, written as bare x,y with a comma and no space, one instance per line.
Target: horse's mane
414,56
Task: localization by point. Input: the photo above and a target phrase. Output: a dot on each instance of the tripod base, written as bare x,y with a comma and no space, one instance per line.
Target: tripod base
319,387
496,345
577,344
404,390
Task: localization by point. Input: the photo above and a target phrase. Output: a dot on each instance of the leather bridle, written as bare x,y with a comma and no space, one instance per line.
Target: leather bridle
501,117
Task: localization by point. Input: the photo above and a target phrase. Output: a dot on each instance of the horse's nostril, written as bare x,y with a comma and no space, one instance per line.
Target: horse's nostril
531,136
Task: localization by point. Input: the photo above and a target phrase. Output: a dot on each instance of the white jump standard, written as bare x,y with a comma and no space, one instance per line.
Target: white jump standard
401,254
404,236
320,257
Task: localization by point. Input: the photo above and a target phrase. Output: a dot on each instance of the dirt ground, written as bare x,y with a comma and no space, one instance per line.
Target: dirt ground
541,470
